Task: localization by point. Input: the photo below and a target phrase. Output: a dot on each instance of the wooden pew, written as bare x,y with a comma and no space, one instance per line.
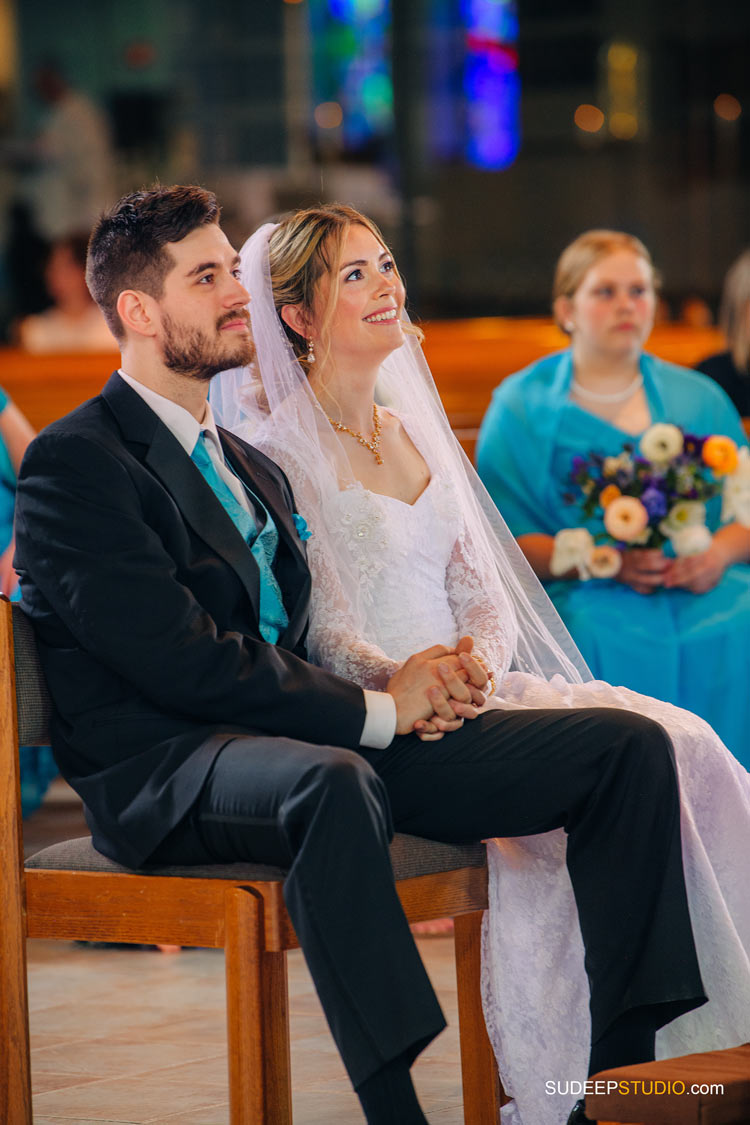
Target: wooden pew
44,387
468,359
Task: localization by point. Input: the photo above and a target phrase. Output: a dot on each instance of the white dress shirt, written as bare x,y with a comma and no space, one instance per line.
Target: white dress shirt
380,707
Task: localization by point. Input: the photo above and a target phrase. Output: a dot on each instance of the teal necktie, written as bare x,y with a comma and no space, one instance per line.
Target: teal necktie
241,518
263,544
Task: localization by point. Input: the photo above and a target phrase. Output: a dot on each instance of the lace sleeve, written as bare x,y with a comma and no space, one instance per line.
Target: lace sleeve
336,636
333,638
481,606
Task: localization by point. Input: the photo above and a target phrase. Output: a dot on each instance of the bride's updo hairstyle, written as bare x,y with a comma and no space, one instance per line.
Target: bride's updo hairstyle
584,252
305,246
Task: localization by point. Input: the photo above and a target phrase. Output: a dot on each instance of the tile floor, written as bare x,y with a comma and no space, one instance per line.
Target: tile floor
137,1036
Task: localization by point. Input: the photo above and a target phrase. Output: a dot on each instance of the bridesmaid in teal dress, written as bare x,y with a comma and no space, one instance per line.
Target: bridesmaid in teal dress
37,765
677,629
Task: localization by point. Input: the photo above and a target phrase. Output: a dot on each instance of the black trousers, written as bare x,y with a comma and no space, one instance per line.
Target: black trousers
606,776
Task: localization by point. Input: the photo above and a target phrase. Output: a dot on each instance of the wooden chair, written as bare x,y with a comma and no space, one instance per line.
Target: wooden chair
69,891
709,1088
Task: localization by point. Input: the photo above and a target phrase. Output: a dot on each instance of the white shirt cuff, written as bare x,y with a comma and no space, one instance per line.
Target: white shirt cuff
380,721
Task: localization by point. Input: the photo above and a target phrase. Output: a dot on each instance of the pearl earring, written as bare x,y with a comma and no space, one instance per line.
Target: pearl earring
310,350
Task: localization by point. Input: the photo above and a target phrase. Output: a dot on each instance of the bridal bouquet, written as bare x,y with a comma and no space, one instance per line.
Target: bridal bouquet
651,496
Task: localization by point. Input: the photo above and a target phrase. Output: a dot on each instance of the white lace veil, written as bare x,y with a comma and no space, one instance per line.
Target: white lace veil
271,405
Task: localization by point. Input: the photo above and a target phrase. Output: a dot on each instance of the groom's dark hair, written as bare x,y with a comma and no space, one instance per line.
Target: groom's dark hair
128,246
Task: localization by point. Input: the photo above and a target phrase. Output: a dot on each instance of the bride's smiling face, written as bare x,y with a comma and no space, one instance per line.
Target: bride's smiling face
364,324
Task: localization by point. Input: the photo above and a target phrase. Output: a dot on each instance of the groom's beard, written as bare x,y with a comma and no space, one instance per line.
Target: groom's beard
191,352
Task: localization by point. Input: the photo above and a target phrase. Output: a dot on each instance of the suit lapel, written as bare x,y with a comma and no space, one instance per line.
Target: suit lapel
158,448
200,508
254,474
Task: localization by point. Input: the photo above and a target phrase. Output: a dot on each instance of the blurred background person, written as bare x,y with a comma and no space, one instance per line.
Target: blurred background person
37,765
63,174
662,622
731,368
15,435
695,311
74,322
71,178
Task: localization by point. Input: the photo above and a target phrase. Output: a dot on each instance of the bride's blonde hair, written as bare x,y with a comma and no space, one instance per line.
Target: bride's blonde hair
305,246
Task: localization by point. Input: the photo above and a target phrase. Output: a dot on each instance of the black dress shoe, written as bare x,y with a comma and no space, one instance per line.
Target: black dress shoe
577,1116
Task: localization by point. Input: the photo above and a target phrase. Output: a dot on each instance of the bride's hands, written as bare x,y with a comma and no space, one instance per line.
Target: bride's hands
481,679
478,681
435,687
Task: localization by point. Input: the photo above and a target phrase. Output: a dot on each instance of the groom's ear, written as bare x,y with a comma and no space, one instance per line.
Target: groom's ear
136,311
296,319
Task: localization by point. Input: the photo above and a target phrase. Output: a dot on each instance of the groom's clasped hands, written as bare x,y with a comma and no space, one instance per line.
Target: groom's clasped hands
436,689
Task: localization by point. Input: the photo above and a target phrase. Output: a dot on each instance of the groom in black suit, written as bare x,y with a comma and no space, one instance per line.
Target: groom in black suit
162,564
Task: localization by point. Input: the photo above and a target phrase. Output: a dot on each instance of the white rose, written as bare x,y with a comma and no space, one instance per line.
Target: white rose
685,513
735,496
572,551
662,442
735,504
692,540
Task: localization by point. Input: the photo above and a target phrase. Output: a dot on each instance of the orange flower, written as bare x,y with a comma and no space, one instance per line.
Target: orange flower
720,454
605,561
609,493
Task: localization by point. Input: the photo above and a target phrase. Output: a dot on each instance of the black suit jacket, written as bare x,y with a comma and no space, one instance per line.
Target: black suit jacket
145,600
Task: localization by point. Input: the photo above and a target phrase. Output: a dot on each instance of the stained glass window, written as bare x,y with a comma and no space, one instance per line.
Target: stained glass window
351,66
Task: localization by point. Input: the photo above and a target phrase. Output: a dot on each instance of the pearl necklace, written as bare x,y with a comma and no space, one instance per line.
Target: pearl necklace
612,396
374,444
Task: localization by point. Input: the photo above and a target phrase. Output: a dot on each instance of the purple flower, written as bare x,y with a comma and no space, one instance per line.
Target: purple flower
655,502
578,463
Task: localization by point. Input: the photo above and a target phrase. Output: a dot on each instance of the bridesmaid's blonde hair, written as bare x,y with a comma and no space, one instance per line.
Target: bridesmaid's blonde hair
585,251
734,315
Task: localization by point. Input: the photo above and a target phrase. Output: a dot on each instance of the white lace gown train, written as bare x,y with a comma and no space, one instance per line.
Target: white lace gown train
535,989
417,584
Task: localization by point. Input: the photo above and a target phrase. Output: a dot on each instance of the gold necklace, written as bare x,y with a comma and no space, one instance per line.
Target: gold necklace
374,444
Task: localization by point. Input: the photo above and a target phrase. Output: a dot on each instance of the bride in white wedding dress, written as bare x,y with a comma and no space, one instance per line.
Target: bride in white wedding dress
406,551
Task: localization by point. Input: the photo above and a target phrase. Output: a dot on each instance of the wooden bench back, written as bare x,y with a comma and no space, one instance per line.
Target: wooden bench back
468,359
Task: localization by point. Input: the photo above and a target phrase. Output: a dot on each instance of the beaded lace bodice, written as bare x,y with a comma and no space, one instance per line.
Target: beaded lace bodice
417,585
412,581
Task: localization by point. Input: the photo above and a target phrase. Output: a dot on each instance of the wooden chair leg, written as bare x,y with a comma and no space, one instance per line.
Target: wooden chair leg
260,1091
15,1069
483,1094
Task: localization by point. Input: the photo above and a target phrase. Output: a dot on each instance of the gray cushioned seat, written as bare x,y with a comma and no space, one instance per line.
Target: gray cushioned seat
411,856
